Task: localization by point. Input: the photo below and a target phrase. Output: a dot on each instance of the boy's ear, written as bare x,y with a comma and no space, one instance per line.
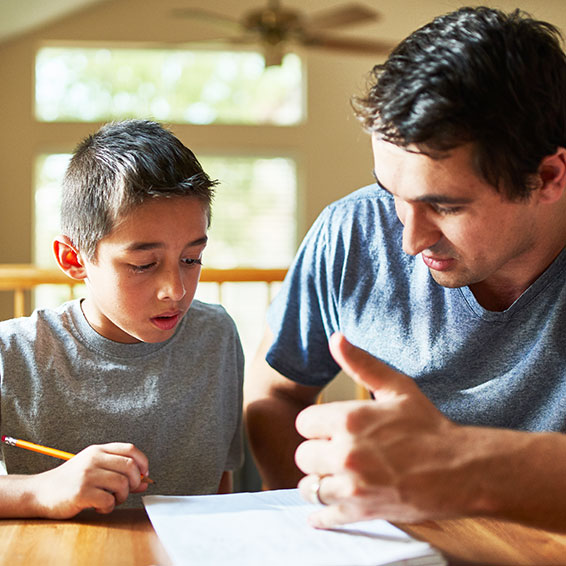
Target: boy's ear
68,258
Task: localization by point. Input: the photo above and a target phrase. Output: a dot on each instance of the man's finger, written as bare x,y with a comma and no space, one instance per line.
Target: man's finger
326,489
363,367
322,421
332,516
316,457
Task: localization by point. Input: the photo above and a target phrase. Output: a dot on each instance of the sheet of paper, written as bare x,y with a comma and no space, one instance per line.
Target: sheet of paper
270,529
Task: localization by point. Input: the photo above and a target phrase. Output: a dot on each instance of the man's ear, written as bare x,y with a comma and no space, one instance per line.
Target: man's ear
68,258
552,173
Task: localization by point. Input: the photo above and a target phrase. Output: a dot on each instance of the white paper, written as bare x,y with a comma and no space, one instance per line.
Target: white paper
270,529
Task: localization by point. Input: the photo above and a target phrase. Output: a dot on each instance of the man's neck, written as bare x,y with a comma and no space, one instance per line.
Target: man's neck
498,294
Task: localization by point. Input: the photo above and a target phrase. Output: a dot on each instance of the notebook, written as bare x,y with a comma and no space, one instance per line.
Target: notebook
270,528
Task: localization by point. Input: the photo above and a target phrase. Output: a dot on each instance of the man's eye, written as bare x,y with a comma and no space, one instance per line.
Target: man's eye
142,268
191,261
447,210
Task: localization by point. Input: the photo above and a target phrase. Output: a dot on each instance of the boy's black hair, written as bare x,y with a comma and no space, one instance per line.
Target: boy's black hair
118,168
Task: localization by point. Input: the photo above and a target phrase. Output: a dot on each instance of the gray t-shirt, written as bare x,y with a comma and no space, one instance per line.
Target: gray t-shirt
503,369
178,401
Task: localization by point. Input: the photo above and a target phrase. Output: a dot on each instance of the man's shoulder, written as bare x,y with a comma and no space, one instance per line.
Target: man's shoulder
367,213
370,194
369,203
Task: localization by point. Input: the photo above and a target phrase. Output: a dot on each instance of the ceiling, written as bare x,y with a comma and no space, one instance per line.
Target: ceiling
398,17
15,20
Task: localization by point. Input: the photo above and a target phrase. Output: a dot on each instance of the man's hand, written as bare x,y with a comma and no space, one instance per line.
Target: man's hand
385,458
99,477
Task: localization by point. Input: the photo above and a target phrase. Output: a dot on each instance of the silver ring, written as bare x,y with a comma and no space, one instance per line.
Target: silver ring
315,490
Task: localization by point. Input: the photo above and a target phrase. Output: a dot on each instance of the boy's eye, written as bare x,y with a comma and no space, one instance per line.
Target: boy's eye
191,261
142,268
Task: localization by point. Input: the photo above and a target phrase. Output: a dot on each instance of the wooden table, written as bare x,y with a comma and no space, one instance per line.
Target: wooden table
126,538
492,543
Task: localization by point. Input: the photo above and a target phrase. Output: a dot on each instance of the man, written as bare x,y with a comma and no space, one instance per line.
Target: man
450,271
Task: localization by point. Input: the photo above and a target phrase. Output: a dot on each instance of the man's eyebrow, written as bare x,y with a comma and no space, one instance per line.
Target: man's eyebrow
433,199
144,246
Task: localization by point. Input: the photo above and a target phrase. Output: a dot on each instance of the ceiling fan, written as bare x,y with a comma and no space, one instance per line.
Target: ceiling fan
275,26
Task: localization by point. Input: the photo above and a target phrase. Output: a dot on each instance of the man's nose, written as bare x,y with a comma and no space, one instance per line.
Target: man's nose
419,232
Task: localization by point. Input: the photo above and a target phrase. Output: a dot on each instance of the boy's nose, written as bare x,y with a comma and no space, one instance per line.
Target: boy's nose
172,286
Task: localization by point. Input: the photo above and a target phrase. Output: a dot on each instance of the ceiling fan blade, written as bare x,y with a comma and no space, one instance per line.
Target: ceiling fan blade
351,45
226,40
208,16
347,15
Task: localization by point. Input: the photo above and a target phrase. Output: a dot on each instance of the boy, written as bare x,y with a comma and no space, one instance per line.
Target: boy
137,372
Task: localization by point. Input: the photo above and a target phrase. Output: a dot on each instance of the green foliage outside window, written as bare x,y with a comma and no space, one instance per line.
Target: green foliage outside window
180,86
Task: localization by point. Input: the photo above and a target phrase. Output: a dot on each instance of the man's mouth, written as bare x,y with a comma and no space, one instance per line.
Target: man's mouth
438,264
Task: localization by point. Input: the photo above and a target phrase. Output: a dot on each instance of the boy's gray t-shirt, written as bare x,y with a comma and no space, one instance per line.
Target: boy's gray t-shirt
178,401
503,369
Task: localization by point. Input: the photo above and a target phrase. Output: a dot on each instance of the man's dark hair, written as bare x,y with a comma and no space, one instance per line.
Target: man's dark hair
480,76
120,167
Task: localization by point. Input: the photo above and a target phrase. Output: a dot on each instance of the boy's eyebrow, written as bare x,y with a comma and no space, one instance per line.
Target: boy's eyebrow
433,199
141,246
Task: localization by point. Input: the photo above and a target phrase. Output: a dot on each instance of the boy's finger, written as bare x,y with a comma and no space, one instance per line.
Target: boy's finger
129,450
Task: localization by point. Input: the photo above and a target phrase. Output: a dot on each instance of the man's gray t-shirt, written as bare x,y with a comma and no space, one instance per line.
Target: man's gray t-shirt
503,369
178,401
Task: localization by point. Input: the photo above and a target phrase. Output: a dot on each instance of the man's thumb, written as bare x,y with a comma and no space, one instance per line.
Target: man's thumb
361,366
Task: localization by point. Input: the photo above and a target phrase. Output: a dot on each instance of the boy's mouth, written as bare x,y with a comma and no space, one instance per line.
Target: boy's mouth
166,321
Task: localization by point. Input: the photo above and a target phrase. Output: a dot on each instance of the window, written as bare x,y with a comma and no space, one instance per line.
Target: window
87,84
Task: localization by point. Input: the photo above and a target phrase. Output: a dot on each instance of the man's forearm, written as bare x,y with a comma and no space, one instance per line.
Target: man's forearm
273,440
519,476
271,405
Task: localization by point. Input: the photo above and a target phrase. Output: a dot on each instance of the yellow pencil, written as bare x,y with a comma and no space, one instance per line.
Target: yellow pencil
47,451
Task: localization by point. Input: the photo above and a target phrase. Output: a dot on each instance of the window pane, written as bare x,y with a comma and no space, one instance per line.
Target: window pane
253,215
49,171
180,86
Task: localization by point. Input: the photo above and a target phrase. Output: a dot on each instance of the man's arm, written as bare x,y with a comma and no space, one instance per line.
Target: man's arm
398,458
271,405
226,483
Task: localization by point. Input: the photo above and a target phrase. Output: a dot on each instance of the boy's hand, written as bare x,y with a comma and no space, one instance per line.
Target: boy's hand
99,477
